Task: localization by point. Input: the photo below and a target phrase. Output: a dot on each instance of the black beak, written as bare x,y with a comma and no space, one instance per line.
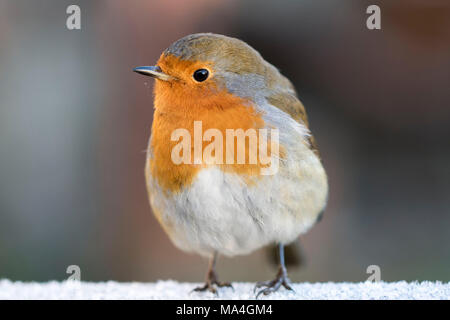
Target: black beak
154,72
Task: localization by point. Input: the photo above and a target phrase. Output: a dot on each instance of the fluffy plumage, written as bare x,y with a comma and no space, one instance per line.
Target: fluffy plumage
231,209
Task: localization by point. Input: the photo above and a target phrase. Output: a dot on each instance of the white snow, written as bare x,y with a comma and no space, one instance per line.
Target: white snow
173,290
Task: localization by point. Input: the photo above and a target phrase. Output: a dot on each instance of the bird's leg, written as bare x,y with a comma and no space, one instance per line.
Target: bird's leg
212,281
280,280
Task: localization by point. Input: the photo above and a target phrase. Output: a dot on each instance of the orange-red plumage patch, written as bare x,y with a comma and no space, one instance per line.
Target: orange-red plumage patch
181,102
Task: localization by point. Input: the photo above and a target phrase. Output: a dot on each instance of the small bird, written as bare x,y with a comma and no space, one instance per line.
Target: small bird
230,207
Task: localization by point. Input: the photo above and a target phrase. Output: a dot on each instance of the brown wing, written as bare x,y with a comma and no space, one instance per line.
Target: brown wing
290,104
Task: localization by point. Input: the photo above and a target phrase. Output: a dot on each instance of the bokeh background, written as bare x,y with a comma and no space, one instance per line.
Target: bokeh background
75,121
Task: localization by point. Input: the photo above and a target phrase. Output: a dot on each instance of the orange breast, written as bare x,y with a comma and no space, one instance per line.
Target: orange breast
178,106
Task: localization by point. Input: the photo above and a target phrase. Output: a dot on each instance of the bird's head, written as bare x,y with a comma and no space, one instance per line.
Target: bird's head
211,67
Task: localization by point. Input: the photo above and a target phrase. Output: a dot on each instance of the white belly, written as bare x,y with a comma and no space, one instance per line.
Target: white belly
220,212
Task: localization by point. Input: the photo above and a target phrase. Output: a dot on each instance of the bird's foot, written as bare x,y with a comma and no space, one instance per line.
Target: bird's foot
212,283
273,285
212,286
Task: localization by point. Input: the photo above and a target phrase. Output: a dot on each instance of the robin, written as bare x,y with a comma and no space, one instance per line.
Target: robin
208,202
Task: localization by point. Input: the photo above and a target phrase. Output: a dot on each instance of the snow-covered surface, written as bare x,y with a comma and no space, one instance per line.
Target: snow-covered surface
174,290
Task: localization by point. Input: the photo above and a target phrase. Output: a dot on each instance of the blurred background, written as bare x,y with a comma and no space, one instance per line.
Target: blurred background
75,121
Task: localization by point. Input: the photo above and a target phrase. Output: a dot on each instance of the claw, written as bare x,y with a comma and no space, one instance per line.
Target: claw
207,287
263,284
212,283
225,284
273,285
212,286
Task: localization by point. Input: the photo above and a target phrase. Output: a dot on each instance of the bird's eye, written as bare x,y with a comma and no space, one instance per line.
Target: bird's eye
201,75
